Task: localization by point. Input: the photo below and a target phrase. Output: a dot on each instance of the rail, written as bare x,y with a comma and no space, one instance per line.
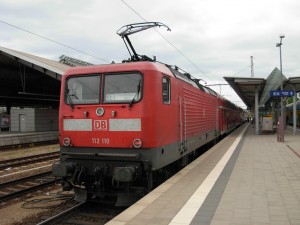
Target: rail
27,160
16,188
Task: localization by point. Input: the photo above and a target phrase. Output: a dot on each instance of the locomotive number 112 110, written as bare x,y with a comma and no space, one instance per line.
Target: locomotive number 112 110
97,140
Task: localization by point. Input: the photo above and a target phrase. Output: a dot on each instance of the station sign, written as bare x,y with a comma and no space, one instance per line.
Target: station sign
282,93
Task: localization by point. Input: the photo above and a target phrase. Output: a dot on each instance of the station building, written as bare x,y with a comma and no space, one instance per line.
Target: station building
29,95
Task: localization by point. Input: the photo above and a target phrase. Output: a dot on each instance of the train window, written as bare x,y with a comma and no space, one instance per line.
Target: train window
83,90
121,88
166,94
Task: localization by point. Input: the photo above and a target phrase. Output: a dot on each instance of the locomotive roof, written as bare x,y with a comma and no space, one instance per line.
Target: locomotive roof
142,65
120,67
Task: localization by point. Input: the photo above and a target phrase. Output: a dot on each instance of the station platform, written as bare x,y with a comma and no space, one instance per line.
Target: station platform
244,179
17,138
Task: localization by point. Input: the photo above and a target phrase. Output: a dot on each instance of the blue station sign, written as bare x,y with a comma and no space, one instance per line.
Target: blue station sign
282,93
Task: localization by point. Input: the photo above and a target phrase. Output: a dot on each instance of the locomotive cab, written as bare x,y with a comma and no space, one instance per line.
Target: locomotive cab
107,124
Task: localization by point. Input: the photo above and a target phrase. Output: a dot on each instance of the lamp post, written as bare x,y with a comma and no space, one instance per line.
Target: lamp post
281,131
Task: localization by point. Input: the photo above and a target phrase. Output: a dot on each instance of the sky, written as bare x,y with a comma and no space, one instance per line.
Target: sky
210,39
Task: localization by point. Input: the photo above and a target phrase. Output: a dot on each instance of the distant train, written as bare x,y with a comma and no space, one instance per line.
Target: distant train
289,114
121,125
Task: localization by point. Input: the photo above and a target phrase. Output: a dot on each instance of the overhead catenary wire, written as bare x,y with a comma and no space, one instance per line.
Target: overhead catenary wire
180,52
56,42
70,47
187,58
242,70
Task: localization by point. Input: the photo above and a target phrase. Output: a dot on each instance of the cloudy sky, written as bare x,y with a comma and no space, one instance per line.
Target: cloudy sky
209,38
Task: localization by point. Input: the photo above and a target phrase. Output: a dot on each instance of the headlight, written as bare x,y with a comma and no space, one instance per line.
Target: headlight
137,143
100,111
67,141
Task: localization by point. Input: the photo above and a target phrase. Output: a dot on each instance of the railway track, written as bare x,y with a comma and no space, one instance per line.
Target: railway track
11,163
12,189
87,213
27,145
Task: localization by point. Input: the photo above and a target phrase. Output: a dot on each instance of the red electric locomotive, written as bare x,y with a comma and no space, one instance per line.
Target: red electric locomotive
121,123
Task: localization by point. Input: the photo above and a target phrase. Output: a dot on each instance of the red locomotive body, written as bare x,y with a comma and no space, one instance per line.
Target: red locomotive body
120,123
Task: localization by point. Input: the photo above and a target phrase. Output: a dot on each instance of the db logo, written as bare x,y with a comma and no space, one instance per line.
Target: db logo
100,125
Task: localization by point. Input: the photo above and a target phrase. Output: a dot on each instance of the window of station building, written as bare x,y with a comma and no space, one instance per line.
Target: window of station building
166,90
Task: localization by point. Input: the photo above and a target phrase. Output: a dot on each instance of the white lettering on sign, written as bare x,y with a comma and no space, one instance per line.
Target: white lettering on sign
100,125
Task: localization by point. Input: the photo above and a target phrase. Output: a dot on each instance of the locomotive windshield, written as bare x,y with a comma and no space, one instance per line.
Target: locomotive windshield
119,88
83,90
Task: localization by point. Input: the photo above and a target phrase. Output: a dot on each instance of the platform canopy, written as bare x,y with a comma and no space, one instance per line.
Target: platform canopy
29,80
273,83
245,88
291,83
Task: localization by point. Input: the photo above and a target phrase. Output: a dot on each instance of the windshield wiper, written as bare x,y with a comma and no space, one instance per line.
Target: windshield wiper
69,98
136,94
